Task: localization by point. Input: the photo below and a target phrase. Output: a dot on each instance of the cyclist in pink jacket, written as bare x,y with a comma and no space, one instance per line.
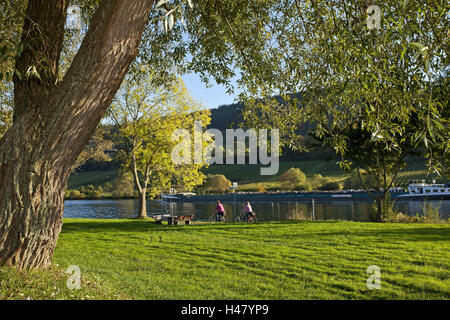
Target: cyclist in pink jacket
248,209
220,211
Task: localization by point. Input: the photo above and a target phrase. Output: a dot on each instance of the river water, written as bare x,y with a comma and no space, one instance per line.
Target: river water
266,211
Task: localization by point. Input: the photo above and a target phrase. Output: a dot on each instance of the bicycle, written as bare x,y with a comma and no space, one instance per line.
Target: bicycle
220,217
243,217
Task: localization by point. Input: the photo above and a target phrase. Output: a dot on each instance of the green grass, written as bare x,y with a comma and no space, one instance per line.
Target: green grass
51,284
277,260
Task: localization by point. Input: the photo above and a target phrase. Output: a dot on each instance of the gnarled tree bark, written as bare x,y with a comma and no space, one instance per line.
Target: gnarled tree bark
53,122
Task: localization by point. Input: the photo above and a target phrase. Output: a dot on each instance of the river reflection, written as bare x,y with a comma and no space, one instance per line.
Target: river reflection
266,211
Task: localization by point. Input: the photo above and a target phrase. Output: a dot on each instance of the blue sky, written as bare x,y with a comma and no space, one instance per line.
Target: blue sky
211,97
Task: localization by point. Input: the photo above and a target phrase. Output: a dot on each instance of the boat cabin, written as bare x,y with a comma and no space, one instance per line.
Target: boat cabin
422,188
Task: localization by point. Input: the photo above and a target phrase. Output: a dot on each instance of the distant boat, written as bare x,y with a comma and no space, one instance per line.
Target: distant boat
418,190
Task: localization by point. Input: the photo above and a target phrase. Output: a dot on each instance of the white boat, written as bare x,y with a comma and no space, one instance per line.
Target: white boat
423,190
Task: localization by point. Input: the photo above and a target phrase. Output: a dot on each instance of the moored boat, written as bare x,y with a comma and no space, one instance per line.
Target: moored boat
418,190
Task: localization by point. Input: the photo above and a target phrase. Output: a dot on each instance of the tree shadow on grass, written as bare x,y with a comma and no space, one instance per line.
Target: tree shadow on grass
136,225
399,232
132,225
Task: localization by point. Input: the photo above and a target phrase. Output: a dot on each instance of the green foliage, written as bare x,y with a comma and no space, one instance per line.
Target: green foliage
91,193
75,194
215,184
375,96
11,19
390,212
94,194
430,213
331,186
305,186
145,117
250,173
354,181
293,178
388,82
123,186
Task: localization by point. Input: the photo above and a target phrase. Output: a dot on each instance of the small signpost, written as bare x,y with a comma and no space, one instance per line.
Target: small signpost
235,185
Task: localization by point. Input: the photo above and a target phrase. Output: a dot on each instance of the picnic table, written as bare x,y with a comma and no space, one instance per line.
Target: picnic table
173,219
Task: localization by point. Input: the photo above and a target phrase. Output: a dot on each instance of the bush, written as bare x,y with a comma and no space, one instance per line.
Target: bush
430,213
331,186
217,183
317,177
390,213
252,187
402,218
75,194
96,194
108,186
123,186
292,178
306,186
261,189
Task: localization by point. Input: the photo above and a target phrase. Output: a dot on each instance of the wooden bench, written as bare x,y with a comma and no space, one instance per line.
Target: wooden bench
175,219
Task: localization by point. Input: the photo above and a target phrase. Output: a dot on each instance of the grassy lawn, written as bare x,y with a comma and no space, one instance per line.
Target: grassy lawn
278,260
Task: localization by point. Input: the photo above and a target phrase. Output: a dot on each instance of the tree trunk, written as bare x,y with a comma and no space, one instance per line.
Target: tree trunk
142,188
379,216
142,204
52,126
31,199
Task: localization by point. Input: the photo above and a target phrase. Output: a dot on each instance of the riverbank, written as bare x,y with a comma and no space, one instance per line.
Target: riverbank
277,260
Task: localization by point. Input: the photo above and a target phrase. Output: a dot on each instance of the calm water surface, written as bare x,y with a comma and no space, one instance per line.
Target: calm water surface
266,211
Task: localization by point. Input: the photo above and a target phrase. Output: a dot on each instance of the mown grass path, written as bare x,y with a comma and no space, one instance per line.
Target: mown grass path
277,260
